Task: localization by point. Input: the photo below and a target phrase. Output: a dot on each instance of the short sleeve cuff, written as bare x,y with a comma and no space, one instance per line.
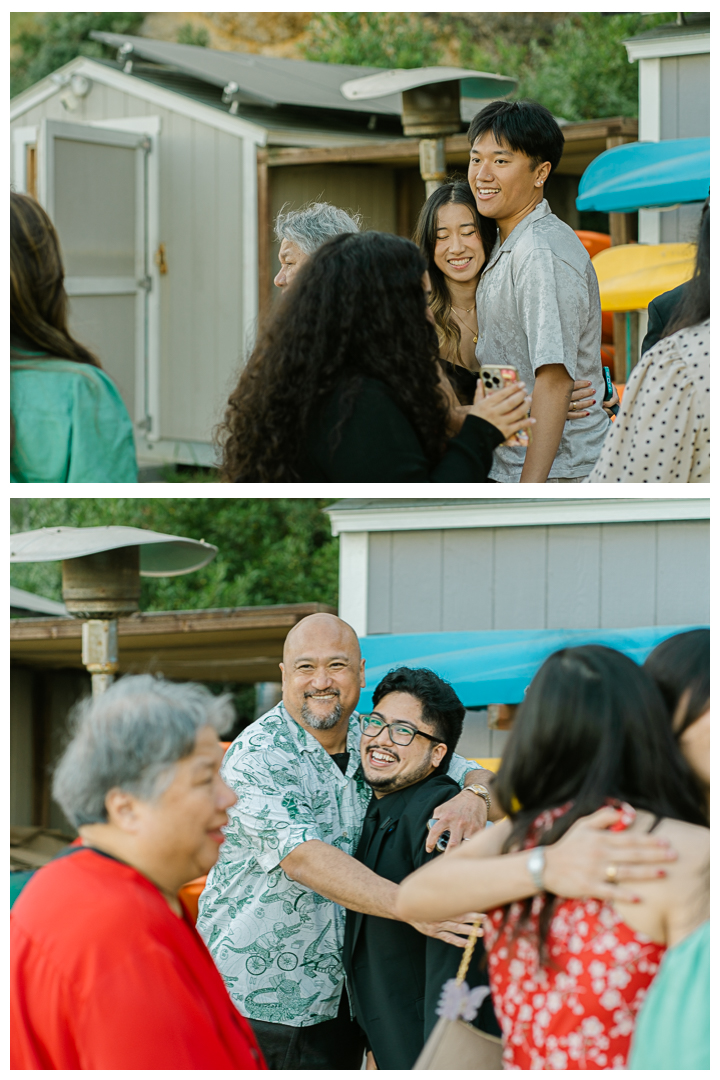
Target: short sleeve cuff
459,767
274,845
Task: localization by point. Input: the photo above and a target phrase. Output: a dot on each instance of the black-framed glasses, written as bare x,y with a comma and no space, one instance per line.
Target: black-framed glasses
401,733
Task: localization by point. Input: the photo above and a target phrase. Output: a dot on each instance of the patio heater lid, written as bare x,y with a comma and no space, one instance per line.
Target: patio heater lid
161,555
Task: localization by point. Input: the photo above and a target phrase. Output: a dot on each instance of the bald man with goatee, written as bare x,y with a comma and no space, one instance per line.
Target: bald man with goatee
273,910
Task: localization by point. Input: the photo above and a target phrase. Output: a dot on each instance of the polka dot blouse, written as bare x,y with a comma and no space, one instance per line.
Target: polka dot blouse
662,432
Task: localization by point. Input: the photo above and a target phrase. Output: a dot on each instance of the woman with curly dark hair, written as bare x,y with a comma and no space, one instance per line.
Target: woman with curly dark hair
344,382
68,421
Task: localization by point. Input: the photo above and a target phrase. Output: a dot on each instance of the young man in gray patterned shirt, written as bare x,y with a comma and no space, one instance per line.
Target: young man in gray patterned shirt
538,301
273,910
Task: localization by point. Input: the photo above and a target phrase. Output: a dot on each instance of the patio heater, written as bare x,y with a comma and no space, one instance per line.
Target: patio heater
101,571
431,105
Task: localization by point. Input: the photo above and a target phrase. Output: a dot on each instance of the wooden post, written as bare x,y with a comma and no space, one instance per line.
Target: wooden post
41,723
264,226
623,227
623,230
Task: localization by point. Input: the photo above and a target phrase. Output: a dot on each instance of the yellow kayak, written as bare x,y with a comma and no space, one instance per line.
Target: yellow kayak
631,275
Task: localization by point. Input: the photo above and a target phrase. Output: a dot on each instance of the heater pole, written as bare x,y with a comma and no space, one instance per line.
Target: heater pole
433,166
100,652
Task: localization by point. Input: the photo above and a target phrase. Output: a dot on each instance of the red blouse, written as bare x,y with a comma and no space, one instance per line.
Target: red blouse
579,1011
105,976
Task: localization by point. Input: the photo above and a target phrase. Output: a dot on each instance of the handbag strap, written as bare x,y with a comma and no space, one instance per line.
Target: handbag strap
467,952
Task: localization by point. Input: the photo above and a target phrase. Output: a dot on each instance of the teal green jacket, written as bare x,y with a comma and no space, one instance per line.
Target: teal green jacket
70,424
672,1030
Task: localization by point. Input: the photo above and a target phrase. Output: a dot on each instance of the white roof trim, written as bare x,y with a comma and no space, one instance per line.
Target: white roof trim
156,95
499,513
677,46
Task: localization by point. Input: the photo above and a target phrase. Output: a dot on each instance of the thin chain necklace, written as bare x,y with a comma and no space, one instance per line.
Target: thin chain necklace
474,332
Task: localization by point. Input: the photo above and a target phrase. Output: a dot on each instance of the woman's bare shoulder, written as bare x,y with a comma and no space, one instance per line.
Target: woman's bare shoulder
695,837
690,842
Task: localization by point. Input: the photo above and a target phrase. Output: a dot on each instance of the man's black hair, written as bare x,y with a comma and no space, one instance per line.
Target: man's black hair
441,707
523,126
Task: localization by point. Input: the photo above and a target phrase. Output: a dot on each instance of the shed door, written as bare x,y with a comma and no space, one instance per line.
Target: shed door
93,183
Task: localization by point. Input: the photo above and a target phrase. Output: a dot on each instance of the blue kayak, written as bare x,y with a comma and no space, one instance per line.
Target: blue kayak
646,174
493,666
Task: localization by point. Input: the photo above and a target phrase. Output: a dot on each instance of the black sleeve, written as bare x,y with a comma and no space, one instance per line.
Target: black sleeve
379,445
660,312
441,959
655,327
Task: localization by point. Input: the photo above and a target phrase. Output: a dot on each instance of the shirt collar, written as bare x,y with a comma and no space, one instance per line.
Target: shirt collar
392,805
307,742
540,211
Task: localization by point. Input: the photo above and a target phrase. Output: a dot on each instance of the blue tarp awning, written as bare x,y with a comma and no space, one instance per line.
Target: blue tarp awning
646,174
493,666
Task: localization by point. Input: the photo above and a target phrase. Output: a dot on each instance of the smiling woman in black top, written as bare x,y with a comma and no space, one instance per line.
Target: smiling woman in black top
344,382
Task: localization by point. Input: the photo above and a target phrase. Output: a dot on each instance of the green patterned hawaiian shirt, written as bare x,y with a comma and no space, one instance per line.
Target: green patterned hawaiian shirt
278,944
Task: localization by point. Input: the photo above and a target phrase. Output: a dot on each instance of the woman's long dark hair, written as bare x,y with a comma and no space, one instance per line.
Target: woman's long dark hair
38,301
694,307
460,193
355,309
679,664
593,726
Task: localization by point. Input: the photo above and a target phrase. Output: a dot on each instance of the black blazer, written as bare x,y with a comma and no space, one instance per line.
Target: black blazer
378,444
395,973
660,312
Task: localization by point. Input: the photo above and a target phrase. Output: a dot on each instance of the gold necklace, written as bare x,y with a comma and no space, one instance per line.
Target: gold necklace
474,332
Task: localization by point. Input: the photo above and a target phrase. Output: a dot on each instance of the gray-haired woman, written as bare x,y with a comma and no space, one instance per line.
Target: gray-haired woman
303,231
108,971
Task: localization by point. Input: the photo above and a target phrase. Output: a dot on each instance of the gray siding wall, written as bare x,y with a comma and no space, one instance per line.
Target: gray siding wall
201,225
539,577
684,114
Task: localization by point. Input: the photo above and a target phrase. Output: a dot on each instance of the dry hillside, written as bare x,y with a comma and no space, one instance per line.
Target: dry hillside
284,33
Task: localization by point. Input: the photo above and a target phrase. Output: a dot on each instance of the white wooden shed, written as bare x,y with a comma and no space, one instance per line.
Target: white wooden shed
674,103
163,171
410,565
138,181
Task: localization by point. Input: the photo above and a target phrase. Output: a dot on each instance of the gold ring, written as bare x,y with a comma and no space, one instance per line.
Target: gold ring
611,874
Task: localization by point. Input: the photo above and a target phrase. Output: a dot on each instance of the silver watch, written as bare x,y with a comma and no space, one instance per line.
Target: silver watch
536,867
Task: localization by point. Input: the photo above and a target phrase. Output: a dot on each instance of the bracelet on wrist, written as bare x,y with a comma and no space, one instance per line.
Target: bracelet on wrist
536,867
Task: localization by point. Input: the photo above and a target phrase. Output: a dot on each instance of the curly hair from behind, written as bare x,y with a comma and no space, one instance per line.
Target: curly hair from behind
355,310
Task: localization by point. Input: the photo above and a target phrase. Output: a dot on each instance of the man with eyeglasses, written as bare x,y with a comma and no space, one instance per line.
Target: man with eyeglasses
273,910
396,974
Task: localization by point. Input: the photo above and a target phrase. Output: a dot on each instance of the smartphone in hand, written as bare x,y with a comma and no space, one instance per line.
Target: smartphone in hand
496,377
609,390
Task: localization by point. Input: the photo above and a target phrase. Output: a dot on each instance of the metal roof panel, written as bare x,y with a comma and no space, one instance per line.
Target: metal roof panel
269,79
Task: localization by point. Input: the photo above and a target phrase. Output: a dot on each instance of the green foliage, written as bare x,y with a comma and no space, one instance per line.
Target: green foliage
583,73
579,69
270,551
54,38
188,35
387,39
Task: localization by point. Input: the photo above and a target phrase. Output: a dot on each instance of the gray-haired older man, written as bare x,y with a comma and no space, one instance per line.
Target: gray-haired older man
272,911
301,232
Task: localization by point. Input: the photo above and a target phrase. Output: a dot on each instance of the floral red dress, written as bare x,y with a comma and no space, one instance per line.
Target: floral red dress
578,1012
